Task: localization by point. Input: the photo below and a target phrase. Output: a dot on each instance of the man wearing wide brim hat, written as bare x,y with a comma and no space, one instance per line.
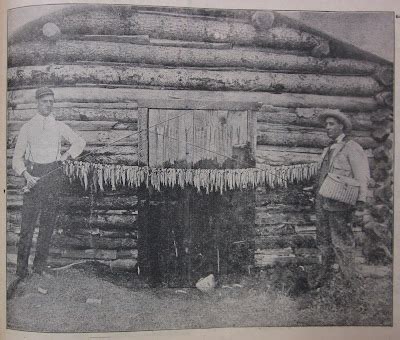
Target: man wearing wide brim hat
37,157
342,188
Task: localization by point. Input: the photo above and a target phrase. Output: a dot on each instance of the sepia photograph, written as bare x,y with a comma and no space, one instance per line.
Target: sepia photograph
173,168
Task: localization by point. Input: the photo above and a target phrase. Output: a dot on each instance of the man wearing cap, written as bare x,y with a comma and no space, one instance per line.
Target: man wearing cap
37,157
345,159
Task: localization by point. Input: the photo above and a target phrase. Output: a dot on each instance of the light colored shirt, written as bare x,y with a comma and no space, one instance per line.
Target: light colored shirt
39,141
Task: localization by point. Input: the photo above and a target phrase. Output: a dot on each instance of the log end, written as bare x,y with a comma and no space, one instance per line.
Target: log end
263,20
321,50
51,31
381,134
384,75
384,99
380,115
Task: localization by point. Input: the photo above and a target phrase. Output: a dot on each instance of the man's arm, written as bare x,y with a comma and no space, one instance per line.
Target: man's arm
18,164
360,168
76,141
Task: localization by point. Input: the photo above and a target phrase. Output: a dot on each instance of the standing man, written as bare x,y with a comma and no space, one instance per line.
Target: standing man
38,158
347,162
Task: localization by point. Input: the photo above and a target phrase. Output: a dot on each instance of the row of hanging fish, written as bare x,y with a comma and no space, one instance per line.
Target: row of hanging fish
210,180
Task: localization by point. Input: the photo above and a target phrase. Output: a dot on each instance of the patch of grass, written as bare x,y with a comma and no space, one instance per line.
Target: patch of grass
64,307
263,299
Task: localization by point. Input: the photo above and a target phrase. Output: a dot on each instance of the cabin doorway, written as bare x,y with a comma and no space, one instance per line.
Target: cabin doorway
187,233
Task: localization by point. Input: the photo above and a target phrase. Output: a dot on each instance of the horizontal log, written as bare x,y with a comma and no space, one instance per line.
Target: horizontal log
294,195
294,241
53,260
129,39
13,249
39,53
131,115
99,254
67,101
284,155
191,44
117,95
93,137
269,221
305,140
297,226
99,232
123,265
309,117
15,125
102,21
74,203
276,251
112,159
12,237
262,260
289,135
287,208
127,254
79,114
193,79
264,155
105,150
306,229
99,221
85,242
113,211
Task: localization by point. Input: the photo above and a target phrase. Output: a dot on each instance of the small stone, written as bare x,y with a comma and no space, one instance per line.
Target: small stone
226,287
206,284
42,291
93,301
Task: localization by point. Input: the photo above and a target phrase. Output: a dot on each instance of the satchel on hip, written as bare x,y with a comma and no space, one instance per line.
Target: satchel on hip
340,188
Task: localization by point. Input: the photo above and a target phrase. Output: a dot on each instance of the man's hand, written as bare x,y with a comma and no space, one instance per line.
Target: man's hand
30,180
64,156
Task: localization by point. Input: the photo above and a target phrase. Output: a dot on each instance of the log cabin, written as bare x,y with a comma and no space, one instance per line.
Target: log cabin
195,88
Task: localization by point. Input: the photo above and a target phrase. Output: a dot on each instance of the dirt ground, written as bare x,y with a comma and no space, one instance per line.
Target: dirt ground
59,302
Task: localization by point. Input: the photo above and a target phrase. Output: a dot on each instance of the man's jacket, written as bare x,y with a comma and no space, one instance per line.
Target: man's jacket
347,159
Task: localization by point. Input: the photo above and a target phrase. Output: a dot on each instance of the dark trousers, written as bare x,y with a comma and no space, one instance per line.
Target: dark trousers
40,202
335,240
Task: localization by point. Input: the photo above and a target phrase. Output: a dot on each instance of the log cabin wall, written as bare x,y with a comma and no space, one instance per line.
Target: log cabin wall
107,65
